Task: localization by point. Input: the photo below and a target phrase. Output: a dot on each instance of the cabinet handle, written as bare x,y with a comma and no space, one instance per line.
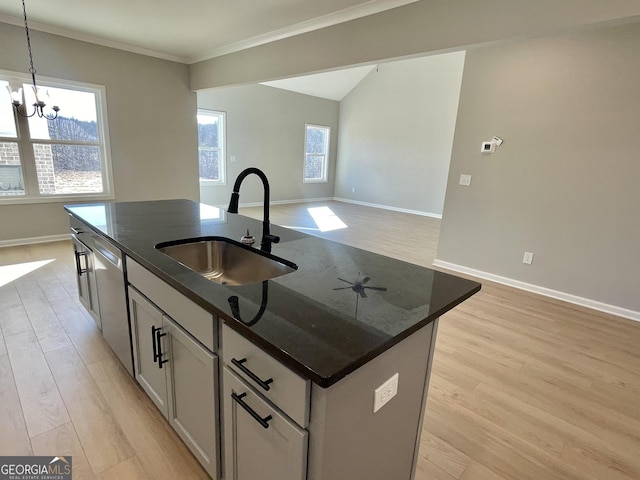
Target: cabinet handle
153,341
262,421
157,346
263,383
79,268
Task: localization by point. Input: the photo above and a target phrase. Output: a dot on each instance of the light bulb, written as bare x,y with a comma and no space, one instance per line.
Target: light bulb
16,95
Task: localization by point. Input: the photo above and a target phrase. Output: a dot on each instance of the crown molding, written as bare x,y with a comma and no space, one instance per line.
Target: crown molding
86,37
352,13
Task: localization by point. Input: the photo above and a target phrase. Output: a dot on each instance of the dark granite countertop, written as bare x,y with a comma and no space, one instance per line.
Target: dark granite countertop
321,333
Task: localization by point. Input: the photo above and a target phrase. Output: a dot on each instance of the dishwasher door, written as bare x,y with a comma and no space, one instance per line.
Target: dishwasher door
113,303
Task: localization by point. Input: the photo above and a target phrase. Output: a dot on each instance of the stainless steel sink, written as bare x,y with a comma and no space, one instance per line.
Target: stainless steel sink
226,262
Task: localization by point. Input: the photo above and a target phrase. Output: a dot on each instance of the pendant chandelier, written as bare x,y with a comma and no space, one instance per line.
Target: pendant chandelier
18,99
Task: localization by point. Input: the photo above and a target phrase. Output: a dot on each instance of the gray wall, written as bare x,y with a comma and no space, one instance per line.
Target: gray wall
265,129
396,132
414,29
565,183
151,121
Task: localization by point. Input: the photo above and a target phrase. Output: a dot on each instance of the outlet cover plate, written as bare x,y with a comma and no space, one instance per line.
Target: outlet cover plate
385,392
465,180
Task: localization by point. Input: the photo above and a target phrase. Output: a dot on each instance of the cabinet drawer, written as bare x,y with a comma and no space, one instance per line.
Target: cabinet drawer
194,319
283,387
260,443
78,228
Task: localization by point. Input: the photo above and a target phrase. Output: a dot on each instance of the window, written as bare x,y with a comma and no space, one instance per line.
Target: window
52,160
316,153
211,142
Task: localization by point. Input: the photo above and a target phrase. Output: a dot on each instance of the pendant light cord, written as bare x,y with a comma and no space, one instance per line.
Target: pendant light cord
26,28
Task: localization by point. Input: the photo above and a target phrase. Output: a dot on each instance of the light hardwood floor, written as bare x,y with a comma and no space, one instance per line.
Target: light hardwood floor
523,387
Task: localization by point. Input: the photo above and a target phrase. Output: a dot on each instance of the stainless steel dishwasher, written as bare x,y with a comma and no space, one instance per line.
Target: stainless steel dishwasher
113,303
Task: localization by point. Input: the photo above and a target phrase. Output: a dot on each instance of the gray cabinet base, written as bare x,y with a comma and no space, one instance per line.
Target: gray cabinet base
348,441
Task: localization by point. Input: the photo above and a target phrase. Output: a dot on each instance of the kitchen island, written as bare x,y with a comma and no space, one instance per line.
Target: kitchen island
345,332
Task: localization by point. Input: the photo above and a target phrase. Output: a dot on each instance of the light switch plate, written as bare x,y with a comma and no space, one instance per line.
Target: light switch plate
385,392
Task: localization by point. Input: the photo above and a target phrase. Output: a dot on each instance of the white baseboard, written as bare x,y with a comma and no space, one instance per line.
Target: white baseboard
301,200
31,240
338,199
279,202
547,292
387,207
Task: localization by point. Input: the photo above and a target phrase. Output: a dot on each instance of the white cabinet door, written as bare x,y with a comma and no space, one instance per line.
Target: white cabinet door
146,328
191,371
259,442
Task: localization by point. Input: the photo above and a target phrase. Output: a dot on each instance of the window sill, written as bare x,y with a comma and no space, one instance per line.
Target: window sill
213,184
306,180
32,199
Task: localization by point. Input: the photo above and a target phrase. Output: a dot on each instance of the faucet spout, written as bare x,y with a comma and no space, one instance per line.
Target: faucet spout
267,238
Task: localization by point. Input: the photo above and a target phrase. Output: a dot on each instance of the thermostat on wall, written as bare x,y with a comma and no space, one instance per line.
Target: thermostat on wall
488,147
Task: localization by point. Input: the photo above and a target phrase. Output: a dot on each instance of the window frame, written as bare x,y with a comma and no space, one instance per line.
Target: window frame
26,143
222,148
325,163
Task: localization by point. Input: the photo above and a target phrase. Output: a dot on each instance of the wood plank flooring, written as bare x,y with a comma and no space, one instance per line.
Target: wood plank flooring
523,387
62,390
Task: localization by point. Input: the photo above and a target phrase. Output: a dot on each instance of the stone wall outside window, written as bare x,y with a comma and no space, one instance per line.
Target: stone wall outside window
9,154
44,167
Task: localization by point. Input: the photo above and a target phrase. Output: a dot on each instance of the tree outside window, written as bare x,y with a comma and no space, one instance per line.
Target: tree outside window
43,160
211,140
316,153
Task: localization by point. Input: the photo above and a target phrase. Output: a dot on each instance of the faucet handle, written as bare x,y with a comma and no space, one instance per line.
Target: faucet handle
267,240
271,238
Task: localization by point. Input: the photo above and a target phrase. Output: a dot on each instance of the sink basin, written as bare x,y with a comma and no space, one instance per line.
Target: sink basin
225,261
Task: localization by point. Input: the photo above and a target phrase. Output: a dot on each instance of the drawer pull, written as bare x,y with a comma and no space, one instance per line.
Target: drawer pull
263,383
262,421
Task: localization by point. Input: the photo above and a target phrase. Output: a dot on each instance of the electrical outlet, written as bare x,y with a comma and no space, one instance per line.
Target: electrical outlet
465,180
528,258
385,392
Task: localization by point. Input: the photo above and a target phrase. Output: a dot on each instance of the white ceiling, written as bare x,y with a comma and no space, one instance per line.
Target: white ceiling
332,85
186,30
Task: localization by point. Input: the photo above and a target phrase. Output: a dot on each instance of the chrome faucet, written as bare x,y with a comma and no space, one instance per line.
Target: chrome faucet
267,238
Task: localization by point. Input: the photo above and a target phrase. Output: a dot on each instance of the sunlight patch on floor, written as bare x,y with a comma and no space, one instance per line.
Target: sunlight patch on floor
9,273
325,219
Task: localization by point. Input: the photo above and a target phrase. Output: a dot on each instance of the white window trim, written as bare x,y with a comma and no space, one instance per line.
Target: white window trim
223,150
15,79
325,169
